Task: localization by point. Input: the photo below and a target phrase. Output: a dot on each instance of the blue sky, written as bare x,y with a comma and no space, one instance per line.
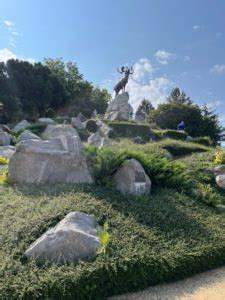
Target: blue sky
169,43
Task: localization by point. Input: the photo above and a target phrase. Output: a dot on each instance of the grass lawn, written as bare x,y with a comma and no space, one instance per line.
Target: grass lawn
163,237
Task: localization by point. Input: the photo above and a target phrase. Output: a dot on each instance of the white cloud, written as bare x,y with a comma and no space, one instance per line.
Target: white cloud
218,69
6,54
8,23
196,27
156,90
163,57
186,58
142,68
16,33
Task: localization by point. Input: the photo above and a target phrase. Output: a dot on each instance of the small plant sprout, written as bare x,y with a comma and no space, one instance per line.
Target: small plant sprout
104,238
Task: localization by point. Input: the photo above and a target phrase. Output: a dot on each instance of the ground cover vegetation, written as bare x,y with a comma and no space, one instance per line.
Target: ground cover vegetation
174,232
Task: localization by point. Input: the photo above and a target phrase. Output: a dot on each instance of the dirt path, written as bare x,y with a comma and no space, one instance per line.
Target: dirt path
205,286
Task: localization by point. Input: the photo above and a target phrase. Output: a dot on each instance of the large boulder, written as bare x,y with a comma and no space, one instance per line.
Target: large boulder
96,140
103,128
21,125
46,121
60,159
220,180
219,170
119,108
7,151
74,237
5,138
56,131
77,123
131,178
27,135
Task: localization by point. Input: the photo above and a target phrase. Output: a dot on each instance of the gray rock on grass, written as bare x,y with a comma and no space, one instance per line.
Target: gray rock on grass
131,178
74,237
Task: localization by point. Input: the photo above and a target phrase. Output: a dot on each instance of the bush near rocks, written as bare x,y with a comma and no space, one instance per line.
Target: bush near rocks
167,237
129,130
172,134
91,125
203,140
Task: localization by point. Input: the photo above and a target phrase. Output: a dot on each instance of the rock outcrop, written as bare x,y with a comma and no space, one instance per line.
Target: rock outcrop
74,237
220,180
96,140
60,159
27,135
131,178
7,151
5,138
46,121
119,108
21,125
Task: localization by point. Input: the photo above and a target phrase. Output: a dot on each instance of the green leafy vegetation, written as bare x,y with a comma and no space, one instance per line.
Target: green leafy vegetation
175,232
199,121
45,89
129,130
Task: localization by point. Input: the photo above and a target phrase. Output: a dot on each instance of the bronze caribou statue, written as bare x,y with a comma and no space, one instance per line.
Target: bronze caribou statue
122,83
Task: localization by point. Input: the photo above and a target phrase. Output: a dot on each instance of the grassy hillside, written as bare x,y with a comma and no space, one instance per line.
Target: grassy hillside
168,235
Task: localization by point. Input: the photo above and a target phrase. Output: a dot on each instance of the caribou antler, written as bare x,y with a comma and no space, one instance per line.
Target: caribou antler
131,71
121,70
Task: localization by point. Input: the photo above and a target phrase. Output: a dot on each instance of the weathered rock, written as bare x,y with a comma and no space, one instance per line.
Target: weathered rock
82,117
21,125
138,140
5,138
94,114
74,237
77,123
60,130
189,139
103,128
220,180
46,121
219,170
60,159
97,140
119,108
6,129
27,135
7,151
131,178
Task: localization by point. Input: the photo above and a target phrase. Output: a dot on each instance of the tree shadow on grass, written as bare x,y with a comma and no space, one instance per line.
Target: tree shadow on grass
165,211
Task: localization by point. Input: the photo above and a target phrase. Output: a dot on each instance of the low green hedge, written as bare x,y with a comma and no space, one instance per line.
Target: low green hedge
164,237
37,128
203,140
129,130
172,134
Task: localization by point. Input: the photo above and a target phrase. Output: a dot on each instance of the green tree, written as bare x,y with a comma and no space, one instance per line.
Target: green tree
198,121
179,96
145,108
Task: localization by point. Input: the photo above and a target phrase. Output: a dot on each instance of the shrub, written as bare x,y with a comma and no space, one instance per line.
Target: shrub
203,140
219,157
175,134
83,134
91,125
3,160
179,148
37,128
129,130
106,161
206,194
